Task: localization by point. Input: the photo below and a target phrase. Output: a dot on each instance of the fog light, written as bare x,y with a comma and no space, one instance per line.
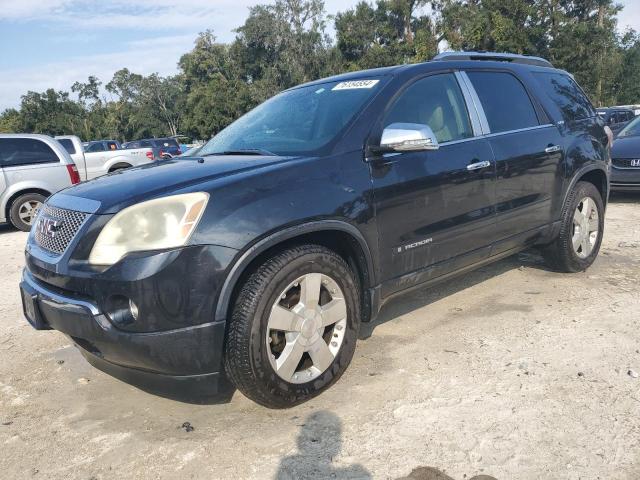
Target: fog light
134,309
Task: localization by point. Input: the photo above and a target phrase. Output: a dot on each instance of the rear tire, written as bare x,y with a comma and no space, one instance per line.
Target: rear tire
582,225
286,344
23,210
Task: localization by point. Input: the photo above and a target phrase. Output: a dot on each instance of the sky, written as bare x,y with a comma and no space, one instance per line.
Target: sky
53,43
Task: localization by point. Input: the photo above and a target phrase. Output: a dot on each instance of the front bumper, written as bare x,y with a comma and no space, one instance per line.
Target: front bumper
625,179
172,346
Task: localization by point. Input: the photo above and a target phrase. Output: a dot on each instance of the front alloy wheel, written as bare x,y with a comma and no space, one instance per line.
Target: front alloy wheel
306,328
294,326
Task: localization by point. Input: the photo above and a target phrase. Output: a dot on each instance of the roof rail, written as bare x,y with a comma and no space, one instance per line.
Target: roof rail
498,57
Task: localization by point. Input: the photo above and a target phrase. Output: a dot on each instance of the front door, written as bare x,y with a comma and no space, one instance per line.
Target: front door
434,209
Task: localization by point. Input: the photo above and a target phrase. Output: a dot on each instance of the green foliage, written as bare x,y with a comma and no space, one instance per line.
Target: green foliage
285,43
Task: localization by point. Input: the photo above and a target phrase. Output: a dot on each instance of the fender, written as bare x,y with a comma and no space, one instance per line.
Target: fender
128,159
580,172
256,249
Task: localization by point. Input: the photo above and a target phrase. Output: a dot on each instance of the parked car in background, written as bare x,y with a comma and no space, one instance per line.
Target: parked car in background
103,156
616,118
192,152
32,167
625,155
162,147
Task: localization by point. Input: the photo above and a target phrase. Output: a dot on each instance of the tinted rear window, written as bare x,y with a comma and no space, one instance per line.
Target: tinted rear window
567,95
165,142
68,145
25,151
94,147
504,100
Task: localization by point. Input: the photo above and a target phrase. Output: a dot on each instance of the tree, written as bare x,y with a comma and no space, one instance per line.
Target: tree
628,84
387,33
11,121
51,112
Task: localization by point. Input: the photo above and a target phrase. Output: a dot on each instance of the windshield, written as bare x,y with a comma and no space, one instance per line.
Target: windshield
295,122
632,129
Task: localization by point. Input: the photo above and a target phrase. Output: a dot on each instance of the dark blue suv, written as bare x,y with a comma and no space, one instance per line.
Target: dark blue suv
257,260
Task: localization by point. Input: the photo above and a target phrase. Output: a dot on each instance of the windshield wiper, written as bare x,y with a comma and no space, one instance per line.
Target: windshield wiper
255,151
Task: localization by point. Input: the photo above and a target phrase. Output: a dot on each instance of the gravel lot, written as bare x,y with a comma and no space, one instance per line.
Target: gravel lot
511,372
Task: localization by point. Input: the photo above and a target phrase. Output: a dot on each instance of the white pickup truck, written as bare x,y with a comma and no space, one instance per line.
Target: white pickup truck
103,156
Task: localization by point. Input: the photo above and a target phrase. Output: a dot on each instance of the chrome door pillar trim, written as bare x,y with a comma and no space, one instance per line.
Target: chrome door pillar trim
471,104
463,78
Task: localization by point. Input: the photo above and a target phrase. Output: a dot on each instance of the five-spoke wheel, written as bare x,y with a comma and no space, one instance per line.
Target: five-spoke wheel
306,327
294,326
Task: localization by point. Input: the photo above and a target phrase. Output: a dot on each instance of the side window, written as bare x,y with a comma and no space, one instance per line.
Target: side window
504,100
112,146
435,101
25,151
68,145
567,95
94,147
145,144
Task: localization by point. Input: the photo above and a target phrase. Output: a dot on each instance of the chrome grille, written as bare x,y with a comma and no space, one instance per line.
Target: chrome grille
626,162
57,240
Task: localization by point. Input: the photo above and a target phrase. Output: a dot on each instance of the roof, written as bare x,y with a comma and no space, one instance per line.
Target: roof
495,56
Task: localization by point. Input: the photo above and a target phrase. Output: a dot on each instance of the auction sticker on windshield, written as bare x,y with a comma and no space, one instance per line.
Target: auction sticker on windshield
353,84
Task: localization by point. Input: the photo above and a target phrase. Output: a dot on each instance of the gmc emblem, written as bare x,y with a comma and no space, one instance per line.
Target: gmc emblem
635,162
48,226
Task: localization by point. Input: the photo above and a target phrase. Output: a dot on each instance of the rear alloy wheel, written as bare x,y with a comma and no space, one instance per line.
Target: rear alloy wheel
294,327
24,210
582,225
586,227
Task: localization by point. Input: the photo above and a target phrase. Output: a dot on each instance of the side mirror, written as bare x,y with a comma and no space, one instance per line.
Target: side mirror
408,137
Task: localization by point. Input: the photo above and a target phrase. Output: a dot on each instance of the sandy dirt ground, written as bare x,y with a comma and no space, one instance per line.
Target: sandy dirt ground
511,372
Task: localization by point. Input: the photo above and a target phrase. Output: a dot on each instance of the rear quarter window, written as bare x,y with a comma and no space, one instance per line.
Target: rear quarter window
567,95
25,151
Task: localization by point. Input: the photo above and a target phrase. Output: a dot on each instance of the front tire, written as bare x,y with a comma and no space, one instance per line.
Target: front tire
582,225
23,210
294,327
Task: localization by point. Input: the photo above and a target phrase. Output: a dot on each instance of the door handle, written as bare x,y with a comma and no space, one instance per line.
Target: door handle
478,165
552,149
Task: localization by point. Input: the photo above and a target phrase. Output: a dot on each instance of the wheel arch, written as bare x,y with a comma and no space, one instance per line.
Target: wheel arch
341,237
118,165
17,193
595,175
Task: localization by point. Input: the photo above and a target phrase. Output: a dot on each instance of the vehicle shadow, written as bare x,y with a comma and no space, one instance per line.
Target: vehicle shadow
7,228
319,442
624,197
430,473
404,304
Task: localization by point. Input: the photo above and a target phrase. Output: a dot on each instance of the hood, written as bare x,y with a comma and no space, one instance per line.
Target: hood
115,191
626,147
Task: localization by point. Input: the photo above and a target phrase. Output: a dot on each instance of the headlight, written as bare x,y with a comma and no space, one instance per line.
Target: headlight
154,225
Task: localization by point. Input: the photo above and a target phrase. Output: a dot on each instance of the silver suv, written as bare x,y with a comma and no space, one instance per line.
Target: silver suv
32,167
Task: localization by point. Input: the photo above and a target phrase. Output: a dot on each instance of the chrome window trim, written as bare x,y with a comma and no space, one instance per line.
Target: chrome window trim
477,104
519,130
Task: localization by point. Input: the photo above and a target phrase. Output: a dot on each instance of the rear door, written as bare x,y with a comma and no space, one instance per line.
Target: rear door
95,156
434,209
528,154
